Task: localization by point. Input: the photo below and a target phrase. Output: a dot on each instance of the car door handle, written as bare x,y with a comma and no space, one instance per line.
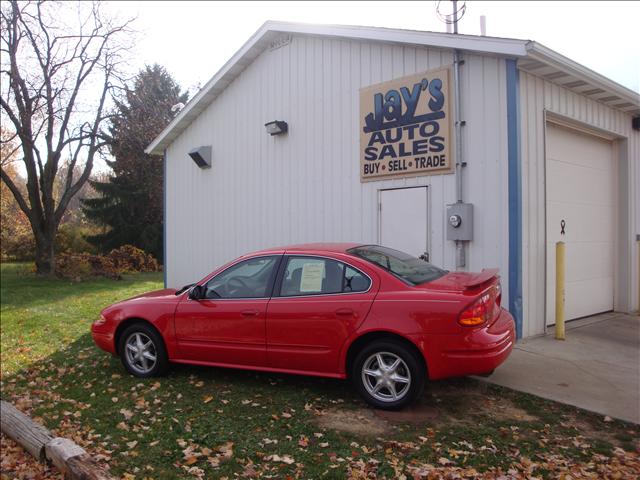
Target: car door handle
344,312
250,313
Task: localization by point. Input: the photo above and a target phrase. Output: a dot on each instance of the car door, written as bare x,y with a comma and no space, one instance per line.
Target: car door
317,303
228,325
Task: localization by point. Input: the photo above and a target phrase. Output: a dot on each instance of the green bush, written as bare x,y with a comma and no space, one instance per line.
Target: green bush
71,238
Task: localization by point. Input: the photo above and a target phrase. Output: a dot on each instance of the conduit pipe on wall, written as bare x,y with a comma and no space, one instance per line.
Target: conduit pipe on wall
457,61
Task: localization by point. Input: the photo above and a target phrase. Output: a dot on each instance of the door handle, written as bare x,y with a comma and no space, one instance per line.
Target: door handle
344,312
250,313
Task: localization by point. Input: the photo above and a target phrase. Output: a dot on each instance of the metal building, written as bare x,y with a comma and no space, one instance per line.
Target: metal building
369,140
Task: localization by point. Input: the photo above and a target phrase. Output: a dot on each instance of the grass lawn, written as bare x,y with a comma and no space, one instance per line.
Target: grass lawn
213,423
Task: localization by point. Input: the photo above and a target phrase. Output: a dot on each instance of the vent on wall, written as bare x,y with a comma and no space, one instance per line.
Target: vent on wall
202,156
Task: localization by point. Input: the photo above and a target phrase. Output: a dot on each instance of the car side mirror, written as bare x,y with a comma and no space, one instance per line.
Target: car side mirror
197,292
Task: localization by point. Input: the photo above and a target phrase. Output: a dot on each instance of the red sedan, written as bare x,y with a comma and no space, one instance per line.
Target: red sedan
384,319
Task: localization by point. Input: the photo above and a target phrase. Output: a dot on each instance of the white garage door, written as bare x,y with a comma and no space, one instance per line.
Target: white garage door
581,179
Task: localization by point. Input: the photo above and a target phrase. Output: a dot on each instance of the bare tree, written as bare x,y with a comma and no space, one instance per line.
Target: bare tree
56,80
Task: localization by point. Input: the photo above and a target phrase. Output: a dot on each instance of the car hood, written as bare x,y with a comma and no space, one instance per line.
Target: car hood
159,295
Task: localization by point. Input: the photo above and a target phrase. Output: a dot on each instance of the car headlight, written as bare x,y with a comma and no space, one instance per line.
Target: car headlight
101,321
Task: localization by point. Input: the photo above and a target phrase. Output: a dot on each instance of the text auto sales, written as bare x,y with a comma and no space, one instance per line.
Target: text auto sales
405,141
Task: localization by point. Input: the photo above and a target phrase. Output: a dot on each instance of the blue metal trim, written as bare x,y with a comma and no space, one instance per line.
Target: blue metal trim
164,218
515,194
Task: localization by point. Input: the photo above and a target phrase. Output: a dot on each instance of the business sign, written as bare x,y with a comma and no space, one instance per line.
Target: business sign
405,126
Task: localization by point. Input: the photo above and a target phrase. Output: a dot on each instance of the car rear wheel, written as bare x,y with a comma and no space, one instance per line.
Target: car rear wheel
388,374
142,351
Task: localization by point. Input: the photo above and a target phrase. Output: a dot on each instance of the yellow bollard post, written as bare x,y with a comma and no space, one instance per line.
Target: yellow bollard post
560,291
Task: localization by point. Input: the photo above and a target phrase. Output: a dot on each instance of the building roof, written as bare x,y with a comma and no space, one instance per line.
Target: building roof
534,58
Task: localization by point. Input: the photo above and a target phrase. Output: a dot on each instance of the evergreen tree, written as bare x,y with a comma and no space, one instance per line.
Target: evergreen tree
130,203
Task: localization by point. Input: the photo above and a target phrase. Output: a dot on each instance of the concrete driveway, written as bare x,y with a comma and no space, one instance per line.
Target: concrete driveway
596,368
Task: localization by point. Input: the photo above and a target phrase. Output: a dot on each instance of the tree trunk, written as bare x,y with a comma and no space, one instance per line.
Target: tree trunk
45,259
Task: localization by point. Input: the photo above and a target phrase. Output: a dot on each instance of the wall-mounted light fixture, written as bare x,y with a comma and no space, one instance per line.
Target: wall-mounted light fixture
277,127
202,156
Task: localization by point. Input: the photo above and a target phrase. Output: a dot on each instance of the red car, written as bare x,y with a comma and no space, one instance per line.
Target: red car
384,319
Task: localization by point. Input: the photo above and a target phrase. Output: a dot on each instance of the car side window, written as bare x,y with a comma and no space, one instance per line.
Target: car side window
247,279
320,276
355,281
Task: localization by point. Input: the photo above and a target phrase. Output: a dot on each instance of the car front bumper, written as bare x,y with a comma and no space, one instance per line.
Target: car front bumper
104,340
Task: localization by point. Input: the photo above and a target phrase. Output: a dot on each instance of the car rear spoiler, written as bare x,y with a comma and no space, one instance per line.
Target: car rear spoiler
479,278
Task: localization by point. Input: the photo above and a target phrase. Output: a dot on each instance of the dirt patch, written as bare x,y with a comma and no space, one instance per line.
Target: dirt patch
504,409
415,414
359,422
458,395
589,430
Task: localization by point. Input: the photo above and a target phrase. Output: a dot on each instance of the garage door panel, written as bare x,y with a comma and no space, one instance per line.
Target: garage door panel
588,297
571,183
589,260
584,223
580,149
580,189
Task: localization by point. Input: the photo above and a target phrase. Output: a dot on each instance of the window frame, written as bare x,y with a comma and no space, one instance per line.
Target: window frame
270,285
277,288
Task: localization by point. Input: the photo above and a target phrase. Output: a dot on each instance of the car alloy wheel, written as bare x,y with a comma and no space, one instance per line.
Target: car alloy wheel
386,377
388,373
141,353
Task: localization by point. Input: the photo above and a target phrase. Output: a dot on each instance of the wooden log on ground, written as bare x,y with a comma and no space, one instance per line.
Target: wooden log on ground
24,431
71,459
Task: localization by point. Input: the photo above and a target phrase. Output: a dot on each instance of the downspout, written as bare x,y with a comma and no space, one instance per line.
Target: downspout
164,217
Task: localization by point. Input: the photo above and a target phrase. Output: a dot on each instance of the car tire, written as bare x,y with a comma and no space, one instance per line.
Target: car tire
142,351
395,384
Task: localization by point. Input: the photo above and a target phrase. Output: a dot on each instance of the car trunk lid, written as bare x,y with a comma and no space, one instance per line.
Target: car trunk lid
461,281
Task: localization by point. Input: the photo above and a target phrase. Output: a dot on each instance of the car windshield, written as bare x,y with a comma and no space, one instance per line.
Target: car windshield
412,270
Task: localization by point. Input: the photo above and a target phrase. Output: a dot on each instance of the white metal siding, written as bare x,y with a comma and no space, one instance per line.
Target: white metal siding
264,191
537,96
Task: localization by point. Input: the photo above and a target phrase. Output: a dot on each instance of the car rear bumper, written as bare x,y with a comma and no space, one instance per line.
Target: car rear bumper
474,352
103,340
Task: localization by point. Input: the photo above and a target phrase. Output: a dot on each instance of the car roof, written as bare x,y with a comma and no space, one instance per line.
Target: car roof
335,247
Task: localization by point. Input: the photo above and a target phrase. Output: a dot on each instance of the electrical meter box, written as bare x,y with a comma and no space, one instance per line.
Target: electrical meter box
460,221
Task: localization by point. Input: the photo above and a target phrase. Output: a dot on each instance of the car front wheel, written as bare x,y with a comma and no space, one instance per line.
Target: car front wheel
142,351
388,375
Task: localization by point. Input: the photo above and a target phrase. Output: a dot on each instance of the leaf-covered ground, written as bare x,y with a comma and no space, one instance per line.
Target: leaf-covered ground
213,423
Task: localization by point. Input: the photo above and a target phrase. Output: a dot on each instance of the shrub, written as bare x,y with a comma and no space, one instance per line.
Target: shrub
132,259
126,259
71,238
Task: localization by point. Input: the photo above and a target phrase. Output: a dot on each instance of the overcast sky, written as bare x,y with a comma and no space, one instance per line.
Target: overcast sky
194,39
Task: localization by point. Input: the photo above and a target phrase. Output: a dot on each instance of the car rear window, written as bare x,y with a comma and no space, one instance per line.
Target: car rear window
411,270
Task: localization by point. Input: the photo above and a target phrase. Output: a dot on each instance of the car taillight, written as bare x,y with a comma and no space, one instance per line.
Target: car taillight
477,313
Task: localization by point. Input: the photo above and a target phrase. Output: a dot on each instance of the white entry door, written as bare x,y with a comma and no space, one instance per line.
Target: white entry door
581,180
403,220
